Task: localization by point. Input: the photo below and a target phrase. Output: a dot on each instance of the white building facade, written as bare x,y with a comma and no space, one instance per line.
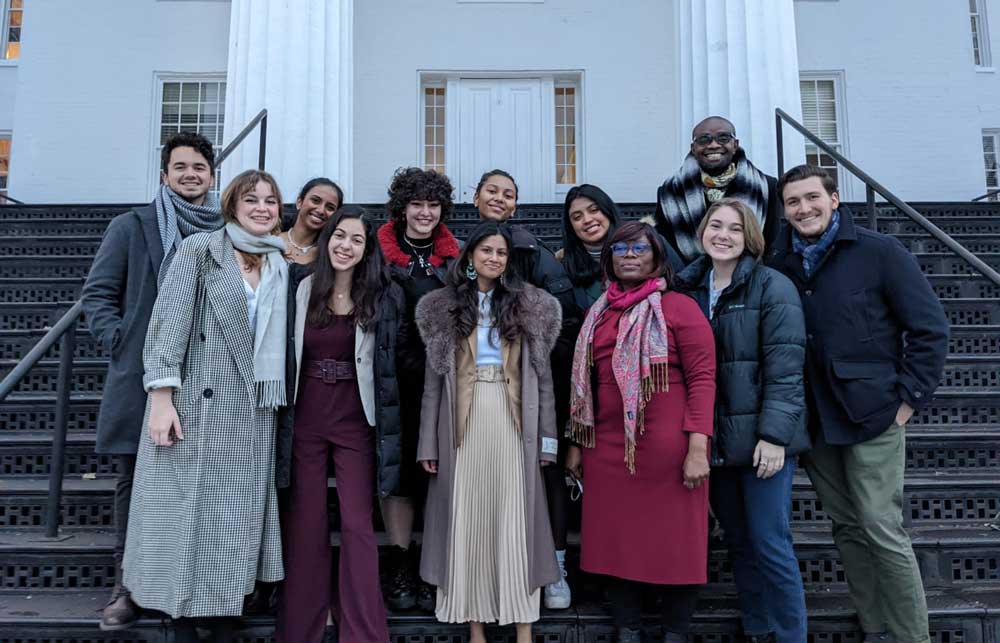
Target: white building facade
559,92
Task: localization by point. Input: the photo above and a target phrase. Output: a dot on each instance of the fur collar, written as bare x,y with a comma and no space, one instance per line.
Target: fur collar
542,323
445,245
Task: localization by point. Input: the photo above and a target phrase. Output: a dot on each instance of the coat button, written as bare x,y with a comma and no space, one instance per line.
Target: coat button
809,293
207,393
918,395
203,337
809,337
359,360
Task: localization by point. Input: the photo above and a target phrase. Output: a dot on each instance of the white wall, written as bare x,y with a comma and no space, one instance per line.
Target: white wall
625,50
988,85
914,100
8,84
83,117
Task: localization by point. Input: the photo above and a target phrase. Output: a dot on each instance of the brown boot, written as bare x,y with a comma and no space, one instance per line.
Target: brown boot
120,613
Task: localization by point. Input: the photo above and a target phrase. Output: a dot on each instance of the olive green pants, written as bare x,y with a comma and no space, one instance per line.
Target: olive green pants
861,488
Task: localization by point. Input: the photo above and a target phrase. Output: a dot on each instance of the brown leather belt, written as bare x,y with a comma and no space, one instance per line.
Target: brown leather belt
330,370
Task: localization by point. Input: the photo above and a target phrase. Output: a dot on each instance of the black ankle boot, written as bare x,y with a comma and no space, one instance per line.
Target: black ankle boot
121,612
401,591
629,635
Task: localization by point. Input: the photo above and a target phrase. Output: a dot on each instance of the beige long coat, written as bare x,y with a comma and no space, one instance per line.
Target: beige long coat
448,384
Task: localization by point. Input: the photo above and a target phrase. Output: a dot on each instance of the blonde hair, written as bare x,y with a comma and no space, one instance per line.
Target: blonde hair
242,184
753,238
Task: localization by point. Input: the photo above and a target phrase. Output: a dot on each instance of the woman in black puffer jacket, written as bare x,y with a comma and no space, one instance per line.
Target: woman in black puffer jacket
760,415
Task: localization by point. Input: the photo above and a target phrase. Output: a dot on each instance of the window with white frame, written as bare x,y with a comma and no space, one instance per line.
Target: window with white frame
192,105
566,119
434,128
4,163
980,34
11,16
991,148
822,115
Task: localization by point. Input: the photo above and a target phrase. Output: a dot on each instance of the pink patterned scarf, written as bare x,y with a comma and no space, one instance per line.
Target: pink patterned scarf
639,360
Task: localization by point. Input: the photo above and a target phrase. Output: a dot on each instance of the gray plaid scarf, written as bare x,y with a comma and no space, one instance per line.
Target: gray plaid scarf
177,218
272,303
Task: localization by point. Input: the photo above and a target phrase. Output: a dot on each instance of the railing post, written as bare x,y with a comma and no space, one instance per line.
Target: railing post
262,152
872,210
779,144
67,345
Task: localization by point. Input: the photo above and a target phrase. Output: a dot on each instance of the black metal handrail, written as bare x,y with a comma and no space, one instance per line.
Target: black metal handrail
986,196
260,118
871,187
64,331
7,197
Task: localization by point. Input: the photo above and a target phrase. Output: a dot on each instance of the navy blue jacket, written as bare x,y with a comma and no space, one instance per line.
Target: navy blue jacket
876,334
760,341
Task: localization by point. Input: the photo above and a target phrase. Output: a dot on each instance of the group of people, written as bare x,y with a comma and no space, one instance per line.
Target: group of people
668,368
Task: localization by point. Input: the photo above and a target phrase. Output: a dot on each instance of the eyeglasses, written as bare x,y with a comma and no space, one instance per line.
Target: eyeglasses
723,138
637,248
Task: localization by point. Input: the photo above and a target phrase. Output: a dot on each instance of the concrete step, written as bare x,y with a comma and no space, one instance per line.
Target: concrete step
71,617
967,372
27,454
948,499
36,412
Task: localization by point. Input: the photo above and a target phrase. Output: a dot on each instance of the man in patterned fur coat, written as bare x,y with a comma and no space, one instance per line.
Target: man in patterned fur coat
716,167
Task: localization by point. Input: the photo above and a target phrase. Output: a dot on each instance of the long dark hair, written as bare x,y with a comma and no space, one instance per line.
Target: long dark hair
634,231
506,300
368,282
580,266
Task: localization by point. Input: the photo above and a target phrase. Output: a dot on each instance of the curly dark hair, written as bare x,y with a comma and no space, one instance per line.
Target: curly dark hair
506,301
200,144
416,184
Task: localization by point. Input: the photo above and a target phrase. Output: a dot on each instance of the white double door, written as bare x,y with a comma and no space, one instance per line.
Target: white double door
500,125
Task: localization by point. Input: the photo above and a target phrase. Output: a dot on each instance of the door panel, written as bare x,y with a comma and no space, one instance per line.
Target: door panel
499,126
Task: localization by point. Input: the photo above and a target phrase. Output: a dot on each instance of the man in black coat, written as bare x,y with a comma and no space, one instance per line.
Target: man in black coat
118,299
876,341
716,167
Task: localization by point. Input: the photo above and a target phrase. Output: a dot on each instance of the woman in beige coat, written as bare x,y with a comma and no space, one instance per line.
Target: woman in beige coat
487,425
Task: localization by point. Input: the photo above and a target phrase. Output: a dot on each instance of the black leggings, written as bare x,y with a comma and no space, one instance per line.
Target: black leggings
557,493
677,603
223,629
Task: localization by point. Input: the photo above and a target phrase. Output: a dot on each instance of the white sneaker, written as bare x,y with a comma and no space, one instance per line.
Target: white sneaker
557,595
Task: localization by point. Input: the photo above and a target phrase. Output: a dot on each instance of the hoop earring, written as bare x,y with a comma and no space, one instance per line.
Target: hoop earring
470,272
503,279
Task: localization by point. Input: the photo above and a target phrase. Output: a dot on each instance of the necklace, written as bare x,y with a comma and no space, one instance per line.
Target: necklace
302,249
415,246
424,263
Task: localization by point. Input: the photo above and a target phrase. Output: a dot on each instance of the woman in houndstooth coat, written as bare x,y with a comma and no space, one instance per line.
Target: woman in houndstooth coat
204,517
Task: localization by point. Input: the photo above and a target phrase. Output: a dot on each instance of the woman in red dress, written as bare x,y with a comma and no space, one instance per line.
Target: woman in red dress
642,400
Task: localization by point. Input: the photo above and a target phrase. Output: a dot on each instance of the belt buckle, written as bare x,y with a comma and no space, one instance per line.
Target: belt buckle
329,370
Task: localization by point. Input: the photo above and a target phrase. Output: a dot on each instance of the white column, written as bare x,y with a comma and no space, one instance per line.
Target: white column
296,59
739,59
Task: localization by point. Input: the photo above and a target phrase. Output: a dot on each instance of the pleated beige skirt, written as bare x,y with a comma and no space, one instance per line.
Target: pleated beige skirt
488,552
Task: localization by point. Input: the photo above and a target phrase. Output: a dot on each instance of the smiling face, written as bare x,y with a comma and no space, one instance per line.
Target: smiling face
809,207
257,210
421,218
347,244
714,157
496,199
589,224
317,206
490,257
631,267
723,239
188,174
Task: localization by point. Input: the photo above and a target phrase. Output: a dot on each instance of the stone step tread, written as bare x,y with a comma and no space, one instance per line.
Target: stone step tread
920,432
106,484
820,538
80,608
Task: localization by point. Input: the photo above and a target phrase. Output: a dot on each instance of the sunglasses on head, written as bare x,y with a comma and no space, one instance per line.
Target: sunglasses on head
722,139
637,248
